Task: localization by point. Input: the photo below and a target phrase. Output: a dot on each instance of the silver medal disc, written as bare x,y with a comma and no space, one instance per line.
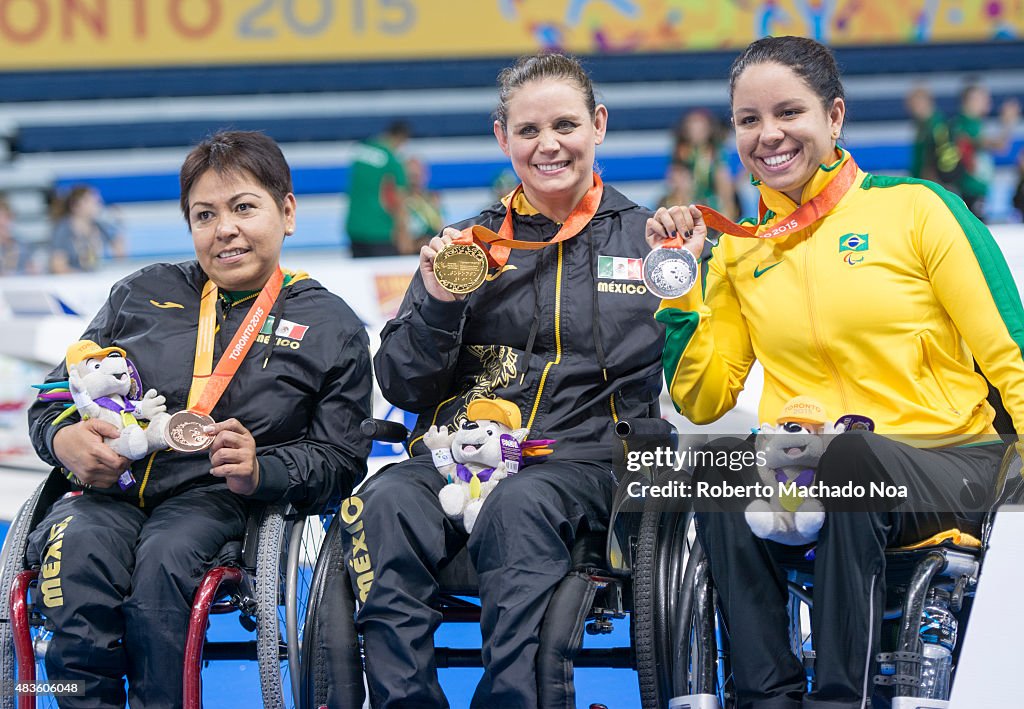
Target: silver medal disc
185,434
670,273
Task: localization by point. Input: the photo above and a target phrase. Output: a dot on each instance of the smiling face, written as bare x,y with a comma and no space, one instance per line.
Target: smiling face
783,132
550,137
237,228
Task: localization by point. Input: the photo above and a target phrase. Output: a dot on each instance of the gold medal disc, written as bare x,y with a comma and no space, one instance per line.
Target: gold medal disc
460,268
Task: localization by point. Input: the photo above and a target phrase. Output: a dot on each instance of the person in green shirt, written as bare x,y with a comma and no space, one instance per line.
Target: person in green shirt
377,184
931,138
967,132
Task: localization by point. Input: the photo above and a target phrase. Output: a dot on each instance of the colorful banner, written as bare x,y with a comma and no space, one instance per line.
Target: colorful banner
41,34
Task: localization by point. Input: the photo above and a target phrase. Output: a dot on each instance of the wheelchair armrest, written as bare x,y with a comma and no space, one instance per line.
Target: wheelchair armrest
647,430
384,431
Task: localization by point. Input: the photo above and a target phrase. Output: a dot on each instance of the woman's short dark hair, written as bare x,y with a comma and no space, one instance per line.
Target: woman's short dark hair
811,61
238,152
536,68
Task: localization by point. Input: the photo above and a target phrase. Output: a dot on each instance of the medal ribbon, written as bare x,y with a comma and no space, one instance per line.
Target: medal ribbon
804,215
207,386
498,246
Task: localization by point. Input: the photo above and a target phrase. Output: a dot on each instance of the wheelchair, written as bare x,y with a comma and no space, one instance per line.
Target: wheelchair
698,673
265,578
598,591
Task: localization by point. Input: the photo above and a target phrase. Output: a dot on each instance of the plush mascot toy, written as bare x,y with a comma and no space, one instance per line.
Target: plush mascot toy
486,449
103,384
791,452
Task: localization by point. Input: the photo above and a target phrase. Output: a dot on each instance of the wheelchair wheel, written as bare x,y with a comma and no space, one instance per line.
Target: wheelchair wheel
12,562
660,604
288,549
331,662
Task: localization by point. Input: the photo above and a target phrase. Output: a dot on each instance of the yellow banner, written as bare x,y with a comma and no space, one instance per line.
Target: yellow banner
41,34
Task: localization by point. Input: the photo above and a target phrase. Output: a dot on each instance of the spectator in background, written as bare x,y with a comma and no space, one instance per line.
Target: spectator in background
678,185
81,235
1018,194
698,149
931,146
377,185
975,148
422,206
10,253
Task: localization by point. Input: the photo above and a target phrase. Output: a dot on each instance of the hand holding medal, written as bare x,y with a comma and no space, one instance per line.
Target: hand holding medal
450,269
676,236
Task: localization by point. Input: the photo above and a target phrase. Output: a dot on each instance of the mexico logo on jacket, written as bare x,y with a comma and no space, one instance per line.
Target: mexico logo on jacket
287,333
620,268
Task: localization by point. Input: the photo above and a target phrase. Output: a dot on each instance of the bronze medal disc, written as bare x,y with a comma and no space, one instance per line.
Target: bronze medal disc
669,272
185,432
460,268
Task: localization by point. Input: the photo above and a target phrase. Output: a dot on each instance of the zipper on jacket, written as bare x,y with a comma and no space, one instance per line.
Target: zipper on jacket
558,338
615,420
145,479
815,336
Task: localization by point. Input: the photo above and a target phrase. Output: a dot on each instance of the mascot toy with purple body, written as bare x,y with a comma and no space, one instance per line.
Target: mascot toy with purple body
790,453
488,447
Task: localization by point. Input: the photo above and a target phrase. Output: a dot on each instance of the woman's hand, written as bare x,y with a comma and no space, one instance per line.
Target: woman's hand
233,456
427,255
81,449
687,222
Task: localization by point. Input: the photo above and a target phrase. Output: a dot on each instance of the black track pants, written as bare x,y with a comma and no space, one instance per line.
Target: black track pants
126,581
520,548
849,568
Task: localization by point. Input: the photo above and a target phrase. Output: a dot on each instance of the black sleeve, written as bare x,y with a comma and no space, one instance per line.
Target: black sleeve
419,348
325,465
41,414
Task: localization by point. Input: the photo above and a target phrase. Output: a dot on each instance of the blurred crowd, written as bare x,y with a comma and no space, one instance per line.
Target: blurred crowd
81,233
392,211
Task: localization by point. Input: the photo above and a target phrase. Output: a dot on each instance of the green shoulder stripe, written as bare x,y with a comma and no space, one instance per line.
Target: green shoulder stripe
680,326
990,258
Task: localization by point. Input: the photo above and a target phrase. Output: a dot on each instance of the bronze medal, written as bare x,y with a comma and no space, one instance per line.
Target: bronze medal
185,432
461,268
670,272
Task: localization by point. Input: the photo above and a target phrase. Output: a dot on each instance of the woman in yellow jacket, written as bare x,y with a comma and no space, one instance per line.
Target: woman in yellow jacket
875,295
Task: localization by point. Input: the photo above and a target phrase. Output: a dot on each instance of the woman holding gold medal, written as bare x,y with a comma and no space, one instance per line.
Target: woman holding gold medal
869,294
263,417
538,301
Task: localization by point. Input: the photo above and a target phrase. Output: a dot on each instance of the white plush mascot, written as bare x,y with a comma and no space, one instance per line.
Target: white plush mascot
105,386
476,457
791,452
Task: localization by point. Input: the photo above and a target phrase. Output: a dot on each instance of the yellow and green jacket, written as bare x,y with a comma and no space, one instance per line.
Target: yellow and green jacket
877,309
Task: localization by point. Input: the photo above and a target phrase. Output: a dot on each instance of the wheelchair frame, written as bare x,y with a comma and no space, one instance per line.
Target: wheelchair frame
590,595
267,587
696,681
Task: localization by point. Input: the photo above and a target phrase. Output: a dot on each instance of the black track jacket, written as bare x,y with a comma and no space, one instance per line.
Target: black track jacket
543,333
304,408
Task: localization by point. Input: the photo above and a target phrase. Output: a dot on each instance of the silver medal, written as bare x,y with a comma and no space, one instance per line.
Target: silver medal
670,273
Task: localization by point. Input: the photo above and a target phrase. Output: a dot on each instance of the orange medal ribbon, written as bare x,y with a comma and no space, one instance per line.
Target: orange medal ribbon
207,388
804,215
498,246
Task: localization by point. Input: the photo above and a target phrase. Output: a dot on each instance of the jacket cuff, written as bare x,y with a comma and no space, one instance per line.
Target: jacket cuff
48,434
273,479
441,315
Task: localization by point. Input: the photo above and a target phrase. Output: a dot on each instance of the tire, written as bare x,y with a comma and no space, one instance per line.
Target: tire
658,588
331,662
12,562
267,590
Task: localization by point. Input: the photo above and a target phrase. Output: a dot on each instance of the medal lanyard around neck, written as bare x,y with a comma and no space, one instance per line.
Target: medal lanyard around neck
499,246
801,218
208,386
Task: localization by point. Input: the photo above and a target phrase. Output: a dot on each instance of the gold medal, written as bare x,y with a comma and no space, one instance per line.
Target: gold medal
460,268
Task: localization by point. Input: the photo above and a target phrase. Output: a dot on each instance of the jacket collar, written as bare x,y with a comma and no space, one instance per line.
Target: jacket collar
782,204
